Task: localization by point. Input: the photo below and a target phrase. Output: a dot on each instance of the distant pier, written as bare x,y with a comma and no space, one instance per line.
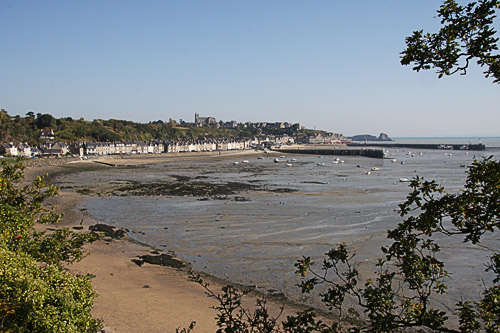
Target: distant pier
478,146
373,153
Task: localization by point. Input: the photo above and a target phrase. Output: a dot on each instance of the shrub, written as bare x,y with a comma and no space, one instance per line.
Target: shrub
36,293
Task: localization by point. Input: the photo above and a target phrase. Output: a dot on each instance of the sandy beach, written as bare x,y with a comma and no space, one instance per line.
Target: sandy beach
132,298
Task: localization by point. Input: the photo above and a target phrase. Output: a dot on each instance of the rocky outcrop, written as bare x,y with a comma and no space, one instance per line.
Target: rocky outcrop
108,231
384,137
162,259
369,137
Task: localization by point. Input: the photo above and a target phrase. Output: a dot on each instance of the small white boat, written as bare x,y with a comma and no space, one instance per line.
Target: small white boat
289,164
368,172
244,161
404,180
402,162
236,163
320,164
282,156
335,162
375,169
293,159
394,160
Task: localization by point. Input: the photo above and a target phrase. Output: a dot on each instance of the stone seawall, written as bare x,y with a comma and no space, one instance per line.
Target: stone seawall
373,153
50,161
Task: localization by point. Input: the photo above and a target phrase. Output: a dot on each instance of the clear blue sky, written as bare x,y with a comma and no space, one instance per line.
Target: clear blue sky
333,65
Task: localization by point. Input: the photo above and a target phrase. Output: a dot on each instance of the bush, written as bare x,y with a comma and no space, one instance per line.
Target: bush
44,298
36,293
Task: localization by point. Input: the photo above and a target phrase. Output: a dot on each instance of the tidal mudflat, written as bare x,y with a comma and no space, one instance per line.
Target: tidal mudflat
248,222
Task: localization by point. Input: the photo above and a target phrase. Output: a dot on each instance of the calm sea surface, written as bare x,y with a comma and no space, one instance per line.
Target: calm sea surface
491,142
256,242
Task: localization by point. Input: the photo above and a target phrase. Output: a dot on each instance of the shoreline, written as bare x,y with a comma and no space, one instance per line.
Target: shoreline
146,298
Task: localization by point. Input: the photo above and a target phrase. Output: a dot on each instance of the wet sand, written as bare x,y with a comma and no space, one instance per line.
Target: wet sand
333,203
134,298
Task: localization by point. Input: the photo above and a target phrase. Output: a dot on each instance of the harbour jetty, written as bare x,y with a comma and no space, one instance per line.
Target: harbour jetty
478,146
365,152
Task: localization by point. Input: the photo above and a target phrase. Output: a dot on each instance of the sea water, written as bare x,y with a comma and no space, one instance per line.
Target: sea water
256,242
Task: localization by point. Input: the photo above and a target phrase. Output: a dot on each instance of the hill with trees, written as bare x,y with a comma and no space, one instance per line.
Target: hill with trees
27,129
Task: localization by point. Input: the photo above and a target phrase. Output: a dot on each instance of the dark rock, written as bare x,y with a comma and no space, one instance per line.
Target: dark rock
384,137
363,137
138,262
163,259
108,231
369,137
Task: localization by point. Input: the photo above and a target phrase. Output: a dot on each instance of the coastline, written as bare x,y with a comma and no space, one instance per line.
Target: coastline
132,298
349,183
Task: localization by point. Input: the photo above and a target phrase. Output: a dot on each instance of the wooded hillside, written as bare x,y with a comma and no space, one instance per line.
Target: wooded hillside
27,129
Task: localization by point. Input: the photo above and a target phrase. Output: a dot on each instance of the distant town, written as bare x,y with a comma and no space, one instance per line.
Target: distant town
50,146
212,122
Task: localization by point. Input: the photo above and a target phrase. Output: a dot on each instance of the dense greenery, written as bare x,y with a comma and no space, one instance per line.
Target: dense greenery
36,293
467,34
27,129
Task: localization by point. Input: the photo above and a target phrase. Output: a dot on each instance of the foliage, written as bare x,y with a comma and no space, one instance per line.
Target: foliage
43,298
18,129
36,293
188,329
467,34
233,317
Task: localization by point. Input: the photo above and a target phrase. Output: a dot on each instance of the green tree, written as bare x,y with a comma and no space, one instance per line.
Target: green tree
467,34
36,293
410,272
45,120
